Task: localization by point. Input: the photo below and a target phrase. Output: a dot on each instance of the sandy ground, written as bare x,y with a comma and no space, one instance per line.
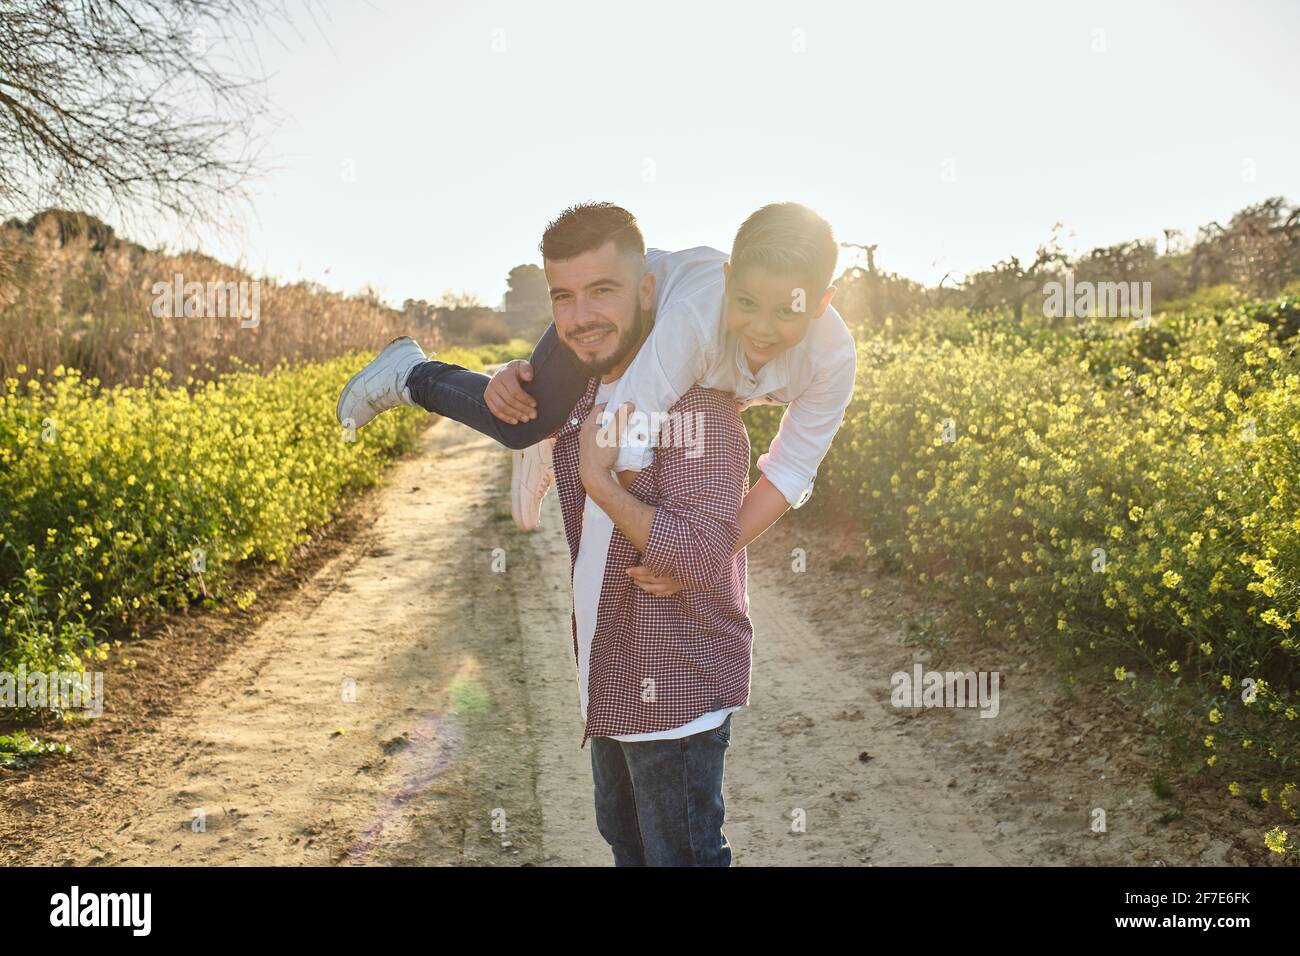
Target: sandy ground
411,702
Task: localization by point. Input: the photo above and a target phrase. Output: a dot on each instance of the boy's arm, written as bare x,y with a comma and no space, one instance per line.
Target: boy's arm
673,359
802,441
762,508
807,429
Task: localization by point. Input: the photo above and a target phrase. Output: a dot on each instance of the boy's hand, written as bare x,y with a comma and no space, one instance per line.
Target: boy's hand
505,396
660,585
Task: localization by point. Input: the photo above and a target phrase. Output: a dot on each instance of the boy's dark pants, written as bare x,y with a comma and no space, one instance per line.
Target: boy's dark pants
457,393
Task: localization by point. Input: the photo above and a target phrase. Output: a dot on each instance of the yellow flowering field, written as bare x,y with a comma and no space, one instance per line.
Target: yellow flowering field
1125,494
117,503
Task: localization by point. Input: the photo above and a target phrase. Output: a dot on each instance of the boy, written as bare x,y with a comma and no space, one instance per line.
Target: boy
759,326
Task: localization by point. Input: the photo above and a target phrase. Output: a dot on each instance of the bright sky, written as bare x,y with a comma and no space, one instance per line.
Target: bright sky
951,134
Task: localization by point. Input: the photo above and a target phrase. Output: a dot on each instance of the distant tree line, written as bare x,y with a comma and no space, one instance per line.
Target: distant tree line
460,318
1257,252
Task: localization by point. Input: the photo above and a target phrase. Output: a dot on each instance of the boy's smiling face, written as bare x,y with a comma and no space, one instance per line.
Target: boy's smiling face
770,312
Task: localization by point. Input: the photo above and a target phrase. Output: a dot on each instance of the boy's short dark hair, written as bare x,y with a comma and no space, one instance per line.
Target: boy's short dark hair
589,225
787,238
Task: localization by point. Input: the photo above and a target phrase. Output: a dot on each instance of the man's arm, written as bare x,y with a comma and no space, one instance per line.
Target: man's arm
630,514
597,456
691,535
763,507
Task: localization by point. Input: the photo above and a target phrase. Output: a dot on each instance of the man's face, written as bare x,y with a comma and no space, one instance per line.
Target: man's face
770,312
600,301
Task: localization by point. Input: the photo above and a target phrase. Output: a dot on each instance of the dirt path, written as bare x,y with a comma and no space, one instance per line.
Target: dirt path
799,788
460,743
268,761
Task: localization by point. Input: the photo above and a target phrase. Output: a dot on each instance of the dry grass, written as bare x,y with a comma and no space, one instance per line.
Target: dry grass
72,295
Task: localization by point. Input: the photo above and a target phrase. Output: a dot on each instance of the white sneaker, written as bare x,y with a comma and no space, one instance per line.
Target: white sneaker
381,385
532,476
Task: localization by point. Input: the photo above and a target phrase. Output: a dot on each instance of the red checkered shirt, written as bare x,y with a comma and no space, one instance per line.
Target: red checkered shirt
659,662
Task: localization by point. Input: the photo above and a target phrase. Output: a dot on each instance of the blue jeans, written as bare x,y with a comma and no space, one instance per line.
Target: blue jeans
457,393
659,802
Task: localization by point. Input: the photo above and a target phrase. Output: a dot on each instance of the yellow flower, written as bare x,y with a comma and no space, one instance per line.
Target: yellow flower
1275,840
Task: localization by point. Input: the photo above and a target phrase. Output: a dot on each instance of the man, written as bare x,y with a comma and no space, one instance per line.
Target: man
658,677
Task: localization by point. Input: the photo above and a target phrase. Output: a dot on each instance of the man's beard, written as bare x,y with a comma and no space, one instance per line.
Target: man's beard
627,343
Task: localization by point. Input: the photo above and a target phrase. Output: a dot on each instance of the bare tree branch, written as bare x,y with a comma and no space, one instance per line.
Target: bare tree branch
139,105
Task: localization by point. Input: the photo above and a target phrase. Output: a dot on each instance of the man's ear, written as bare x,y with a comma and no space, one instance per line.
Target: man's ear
647,291
825,302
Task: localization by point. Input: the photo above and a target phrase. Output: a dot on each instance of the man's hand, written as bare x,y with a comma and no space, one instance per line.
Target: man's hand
597,455
660,585
598,445
505,395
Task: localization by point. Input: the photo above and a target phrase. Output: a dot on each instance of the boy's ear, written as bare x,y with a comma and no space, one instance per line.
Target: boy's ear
825,302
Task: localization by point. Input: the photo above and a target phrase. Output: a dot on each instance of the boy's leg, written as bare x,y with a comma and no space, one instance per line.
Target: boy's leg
677,786
615,805
457,393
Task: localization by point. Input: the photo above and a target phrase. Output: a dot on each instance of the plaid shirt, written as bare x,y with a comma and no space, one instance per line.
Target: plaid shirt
659,662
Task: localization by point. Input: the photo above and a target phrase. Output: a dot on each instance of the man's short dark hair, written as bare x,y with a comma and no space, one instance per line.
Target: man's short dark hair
588,226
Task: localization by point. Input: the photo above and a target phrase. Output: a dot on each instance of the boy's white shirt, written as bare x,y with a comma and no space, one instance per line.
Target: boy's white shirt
690,345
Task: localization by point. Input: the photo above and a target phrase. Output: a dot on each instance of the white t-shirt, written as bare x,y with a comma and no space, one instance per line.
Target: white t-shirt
588,577
690,345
